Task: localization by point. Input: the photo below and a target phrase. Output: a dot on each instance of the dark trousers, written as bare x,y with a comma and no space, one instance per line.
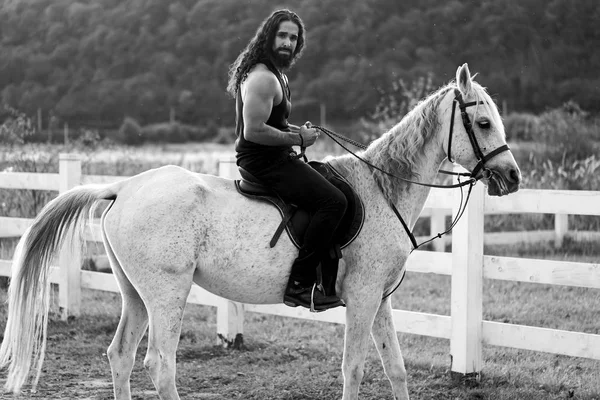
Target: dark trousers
296,182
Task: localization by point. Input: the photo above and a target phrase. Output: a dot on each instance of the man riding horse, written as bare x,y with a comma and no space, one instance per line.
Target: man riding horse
264,147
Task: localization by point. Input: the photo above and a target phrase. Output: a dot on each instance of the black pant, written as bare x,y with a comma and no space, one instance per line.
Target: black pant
296,182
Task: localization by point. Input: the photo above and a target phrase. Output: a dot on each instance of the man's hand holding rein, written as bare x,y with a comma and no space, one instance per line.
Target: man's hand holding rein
308,134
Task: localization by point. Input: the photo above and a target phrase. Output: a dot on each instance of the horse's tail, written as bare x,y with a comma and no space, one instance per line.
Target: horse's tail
24,343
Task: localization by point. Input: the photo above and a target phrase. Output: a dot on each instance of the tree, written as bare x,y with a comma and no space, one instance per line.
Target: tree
103,59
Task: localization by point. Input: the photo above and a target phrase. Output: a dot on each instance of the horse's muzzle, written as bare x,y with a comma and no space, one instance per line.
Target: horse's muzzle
502,183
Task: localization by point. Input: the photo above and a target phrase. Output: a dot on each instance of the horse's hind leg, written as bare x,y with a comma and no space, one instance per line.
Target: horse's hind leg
386,342
131,329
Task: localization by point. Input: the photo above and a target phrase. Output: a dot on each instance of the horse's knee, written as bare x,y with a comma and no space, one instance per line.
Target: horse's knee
354,373
117,356
396,373
151,363
112,350
113,353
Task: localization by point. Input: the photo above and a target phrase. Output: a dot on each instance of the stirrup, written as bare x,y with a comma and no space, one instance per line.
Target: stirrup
320,288
312,299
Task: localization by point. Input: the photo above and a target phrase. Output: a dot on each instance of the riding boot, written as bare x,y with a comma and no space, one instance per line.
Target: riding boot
302,290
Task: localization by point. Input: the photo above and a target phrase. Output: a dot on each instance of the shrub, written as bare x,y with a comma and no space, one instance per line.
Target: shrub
130,132
88,139
225,135
15,127
394,104
522,126
201,133
571,132
165,132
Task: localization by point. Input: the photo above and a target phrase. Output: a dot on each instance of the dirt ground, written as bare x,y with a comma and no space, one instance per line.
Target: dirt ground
283,359
76,365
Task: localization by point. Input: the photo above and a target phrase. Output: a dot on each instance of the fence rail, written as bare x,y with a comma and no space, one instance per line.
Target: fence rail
467,266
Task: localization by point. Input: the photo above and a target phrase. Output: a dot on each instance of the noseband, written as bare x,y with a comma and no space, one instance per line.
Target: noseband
481,158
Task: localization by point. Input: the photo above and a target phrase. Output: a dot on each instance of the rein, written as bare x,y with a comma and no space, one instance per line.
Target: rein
472,177
471,182
334,135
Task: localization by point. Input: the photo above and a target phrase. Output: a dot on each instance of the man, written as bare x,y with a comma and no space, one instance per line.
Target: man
264,146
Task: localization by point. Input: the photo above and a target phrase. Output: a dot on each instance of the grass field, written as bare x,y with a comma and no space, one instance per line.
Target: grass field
293,359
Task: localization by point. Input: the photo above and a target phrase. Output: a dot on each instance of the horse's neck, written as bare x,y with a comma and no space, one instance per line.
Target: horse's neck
416,195
408,198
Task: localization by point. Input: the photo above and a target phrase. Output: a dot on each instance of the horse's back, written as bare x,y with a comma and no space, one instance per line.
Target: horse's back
174,188
197,224
168,192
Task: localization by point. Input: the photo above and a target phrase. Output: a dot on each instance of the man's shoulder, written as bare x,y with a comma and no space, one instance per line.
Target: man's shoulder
262,76
261,71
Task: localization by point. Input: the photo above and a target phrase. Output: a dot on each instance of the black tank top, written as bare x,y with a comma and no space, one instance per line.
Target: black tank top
253,156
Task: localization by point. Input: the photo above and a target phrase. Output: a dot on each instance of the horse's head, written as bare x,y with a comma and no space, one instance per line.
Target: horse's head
475,136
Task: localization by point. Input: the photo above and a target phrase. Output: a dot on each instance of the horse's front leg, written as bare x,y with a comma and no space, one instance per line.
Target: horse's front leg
386,342
360,312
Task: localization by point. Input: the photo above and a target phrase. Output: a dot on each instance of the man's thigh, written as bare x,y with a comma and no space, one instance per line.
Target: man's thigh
298,183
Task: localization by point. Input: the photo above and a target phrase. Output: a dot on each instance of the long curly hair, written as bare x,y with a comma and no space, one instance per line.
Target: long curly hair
259,49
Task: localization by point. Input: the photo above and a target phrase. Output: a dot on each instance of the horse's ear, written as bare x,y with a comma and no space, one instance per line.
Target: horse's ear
463,78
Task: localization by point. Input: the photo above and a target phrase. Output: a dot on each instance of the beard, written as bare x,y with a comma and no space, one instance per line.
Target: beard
282,59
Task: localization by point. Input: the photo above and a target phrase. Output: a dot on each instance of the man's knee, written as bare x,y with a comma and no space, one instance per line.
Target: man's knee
341,203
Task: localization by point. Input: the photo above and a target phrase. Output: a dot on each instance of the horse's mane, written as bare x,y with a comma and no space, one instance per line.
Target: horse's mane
399,147
399,150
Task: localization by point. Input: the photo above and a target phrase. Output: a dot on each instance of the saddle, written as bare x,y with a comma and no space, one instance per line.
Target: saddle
295,220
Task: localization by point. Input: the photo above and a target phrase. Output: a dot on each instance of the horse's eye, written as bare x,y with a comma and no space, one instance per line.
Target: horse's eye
484,124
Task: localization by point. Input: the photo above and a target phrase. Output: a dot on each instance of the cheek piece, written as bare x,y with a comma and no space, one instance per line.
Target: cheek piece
481,158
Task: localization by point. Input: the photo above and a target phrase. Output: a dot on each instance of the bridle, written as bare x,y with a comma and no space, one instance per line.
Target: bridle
481,158
473,178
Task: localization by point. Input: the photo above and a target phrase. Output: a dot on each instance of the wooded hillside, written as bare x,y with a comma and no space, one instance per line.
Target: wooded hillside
96,61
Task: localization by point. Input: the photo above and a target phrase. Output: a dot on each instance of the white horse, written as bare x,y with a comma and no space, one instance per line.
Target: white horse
168,228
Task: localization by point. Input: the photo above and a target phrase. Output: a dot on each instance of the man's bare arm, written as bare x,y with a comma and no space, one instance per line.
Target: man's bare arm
259,92
294,128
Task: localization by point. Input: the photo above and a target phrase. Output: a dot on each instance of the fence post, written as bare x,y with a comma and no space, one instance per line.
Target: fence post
561,227
66,133
230,324
437,224
69,167
230,315
467,278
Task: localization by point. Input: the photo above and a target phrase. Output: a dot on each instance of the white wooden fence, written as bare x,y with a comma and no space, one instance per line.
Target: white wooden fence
467,265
